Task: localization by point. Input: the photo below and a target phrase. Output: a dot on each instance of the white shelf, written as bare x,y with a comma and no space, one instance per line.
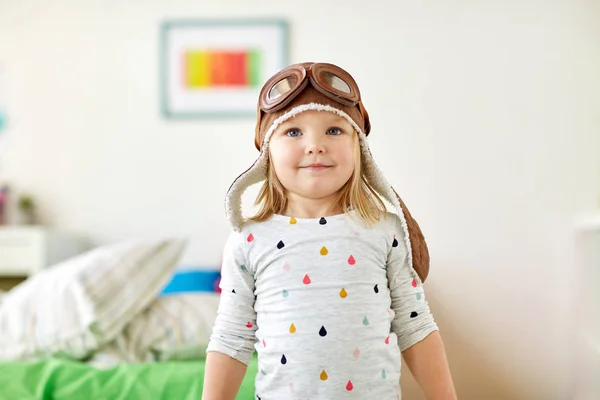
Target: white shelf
25,250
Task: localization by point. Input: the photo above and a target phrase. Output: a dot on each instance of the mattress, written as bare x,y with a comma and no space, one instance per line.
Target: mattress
59,379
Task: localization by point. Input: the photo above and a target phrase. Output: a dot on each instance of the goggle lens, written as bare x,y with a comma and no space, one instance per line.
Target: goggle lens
282,87
336,82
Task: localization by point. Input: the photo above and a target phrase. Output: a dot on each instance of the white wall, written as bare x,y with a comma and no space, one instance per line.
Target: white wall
485,117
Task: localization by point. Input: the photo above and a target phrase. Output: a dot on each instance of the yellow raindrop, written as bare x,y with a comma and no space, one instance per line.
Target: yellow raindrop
324,251
343,293
293,220
292,328
324,375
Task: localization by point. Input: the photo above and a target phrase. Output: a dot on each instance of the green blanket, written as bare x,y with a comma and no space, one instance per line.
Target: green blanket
57,379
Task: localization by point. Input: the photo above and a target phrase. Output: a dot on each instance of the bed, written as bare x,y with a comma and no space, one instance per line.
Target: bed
118,322
58,379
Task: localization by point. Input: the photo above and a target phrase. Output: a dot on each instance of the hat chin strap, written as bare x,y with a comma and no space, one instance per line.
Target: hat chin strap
258,172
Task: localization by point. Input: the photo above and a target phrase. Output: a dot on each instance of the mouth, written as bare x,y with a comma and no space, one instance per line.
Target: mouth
316,167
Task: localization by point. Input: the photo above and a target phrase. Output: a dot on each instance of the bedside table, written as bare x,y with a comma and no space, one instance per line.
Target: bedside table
25,250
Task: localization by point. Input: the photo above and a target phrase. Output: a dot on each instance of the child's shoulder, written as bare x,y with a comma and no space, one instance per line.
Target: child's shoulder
248,232
254,226
390,221
390,224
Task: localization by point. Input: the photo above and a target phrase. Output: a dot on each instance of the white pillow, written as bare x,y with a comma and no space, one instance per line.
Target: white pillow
80,304
174,327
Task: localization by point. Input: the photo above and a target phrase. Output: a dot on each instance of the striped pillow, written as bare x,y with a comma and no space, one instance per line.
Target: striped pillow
175,327
77,306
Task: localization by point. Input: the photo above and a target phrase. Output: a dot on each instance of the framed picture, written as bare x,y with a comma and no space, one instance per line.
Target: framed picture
216,68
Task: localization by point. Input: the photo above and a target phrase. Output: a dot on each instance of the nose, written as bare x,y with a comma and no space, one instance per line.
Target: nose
315,146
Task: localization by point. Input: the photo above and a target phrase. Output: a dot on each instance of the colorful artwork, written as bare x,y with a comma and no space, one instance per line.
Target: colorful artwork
209,69
216,68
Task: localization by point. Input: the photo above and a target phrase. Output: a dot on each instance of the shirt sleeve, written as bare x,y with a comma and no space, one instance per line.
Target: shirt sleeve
413,320
235,326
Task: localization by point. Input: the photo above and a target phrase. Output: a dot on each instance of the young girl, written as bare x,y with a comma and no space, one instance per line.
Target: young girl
323,282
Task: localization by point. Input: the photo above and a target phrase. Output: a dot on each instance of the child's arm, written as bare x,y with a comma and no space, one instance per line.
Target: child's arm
427,363
223,377
418,336
232,341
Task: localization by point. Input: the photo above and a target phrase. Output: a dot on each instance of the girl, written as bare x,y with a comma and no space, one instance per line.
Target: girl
323,282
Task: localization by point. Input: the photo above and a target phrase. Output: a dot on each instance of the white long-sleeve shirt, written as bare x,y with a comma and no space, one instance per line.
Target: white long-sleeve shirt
328,303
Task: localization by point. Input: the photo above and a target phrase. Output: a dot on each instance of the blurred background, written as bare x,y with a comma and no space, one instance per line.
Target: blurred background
485,117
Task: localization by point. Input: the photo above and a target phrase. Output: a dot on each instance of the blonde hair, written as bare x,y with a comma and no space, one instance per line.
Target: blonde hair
356,194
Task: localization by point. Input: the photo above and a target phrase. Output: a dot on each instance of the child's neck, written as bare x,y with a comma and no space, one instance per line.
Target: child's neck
311,208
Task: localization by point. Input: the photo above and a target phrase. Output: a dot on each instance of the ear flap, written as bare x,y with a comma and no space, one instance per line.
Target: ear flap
420,251
257,136
365,115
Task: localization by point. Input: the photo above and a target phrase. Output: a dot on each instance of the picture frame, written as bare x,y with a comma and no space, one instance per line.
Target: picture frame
215,68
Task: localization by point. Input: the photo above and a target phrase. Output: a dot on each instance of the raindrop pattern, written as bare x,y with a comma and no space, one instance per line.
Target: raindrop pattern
304,276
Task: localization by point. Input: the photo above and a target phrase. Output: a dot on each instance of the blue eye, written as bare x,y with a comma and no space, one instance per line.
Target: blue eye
293,133
334,131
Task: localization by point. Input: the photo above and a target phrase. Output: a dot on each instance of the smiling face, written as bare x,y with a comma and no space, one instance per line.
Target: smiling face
313,154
